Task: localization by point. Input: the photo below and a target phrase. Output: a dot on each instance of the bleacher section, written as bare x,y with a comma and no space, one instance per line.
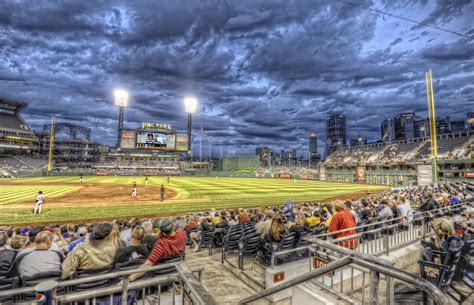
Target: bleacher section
450,146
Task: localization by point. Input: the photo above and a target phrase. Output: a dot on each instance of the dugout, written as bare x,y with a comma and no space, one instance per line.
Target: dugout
236,163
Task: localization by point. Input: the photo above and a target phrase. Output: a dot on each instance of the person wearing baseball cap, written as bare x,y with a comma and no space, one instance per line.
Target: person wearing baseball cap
97,252
171,243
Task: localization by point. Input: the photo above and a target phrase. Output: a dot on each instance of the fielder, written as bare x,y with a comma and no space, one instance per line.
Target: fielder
146,180
39,202
82,179
134,189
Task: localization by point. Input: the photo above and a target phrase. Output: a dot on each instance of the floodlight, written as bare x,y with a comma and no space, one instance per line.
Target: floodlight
121,98
190,105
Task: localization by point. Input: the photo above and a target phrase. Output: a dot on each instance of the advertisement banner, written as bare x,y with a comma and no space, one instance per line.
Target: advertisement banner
424,174
285,176
128,139
182,141
307,176
360,173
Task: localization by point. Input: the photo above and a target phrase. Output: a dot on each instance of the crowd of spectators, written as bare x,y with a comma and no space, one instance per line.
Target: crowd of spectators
393,152
156,167
276,170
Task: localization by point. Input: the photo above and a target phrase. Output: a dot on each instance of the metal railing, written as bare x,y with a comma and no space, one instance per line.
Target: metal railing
192,288
354,278
385,237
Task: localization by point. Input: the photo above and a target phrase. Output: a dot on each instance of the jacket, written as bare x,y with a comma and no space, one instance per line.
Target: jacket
89,255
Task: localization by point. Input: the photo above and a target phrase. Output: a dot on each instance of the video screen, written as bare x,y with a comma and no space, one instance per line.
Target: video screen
146,139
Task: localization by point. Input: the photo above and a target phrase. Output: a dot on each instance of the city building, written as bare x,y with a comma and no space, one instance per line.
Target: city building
335,133
388,130
313,148
470,120
404,125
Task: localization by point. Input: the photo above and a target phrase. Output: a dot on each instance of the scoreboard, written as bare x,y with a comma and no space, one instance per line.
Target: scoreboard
155,136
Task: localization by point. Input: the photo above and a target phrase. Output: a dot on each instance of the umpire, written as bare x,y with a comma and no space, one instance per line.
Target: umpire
162,192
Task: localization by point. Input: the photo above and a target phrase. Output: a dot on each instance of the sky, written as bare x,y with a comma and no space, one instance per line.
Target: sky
266,73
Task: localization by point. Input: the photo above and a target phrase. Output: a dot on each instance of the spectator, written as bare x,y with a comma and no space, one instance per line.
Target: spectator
429,204
97,252
344,219
171,243
277,230
205,226
39,258
386,211
7,256
315,218
82,232
136,250
263,228
150,239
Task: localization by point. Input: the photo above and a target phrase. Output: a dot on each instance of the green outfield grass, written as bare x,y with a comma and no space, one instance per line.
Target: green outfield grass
193,194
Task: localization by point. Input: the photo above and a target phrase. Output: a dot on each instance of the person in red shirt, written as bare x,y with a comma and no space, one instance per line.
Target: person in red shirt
344,219
171,243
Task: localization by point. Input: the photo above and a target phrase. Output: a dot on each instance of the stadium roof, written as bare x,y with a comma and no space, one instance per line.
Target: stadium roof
14,122
11,105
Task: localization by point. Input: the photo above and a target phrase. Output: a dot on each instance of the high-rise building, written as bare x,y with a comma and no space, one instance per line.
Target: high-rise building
313,148
470,120
336,133
388,130
422,128
404,125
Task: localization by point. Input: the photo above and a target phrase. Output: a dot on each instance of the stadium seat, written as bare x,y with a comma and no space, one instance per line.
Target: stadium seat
231,240
96,284
248,247
35,280
442,274
7,284
205,240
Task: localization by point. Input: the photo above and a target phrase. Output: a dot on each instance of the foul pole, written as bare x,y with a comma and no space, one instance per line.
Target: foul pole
51,146
431,110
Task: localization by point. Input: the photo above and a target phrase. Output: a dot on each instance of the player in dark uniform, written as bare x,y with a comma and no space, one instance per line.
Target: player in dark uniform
162,192
168,179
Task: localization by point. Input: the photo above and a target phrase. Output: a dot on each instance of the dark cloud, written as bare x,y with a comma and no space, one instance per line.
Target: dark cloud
265,72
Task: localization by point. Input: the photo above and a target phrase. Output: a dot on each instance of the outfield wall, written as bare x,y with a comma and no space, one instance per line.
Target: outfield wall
229,163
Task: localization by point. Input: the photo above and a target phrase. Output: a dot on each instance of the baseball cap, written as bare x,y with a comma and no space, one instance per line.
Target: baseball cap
24,230
101,231
166,226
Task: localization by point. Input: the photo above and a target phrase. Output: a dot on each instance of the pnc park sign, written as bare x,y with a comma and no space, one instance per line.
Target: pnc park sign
146,125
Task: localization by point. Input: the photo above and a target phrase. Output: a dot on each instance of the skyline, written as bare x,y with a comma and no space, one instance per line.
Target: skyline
265,74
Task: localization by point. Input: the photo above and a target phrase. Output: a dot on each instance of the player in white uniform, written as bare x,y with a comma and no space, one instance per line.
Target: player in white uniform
39,202
134,189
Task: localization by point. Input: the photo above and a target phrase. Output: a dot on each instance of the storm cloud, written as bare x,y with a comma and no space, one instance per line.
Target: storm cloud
265,72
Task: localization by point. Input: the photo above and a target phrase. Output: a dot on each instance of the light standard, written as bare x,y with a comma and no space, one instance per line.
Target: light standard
210,149
121,100
190,105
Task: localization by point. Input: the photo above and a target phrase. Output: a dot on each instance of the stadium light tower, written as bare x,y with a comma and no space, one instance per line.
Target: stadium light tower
121,100
190,105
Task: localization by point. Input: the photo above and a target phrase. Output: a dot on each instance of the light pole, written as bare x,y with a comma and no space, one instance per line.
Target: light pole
190,105
210,149
121,100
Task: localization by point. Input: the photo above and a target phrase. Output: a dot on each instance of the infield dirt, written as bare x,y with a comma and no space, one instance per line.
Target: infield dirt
98,194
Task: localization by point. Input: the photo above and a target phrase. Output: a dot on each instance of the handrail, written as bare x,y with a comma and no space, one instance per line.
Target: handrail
93,278
370,262
415,216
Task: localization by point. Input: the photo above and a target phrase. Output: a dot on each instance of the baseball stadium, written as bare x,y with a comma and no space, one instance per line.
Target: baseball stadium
107,197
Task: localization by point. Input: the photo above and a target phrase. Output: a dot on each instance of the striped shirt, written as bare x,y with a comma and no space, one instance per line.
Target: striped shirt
168,246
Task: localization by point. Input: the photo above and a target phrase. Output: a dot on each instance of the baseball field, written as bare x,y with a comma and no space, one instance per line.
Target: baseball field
110,197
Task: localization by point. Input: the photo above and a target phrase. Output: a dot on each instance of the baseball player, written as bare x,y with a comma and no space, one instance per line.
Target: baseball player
82,179
134,189
39,202
168,179
146,180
